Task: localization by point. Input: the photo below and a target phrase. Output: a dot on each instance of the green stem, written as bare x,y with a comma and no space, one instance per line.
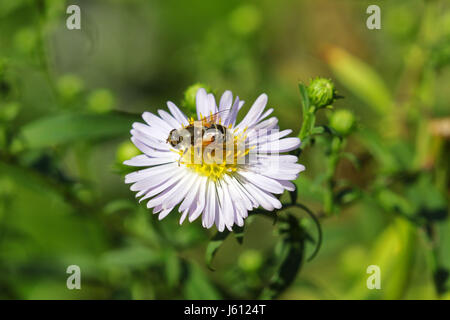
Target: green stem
309,122
332,162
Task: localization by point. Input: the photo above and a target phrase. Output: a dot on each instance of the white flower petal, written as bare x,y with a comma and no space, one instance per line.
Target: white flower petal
283,145
226,100
184,215
177,113
265,115
263,182
289,186
190,196
200,200
232,115
239,199
152,152
179,192
226,205
259,195
156,122
152,132
178,174
145,173
255,112
202,103
139,162
281,158
211,206
174,123
212,107
263,136
164,213
149,141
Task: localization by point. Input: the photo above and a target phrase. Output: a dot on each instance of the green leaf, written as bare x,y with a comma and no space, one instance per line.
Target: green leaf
361,79
213,247
443,245
293,195
393,252
198,287
429,202
238,233
118,205
319,229
352,158
173,268
393,202
289,253
304,98
131,257
308,189
65,128
348,195
377,147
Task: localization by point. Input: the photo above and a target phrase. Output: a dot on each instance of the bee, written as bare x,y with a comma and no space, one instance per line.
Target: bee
199,134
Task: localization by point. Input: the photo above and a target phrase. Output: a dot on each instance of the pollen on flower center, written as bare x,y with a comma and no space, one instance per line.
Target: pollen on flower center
215,162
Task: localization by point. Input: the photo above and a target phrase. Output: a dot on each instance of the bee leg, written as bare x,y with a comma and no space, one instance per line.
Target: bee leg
184,152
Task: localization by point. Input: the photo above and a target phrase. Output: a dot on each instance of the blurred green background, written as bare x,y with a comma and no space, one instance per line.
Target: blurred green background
68,99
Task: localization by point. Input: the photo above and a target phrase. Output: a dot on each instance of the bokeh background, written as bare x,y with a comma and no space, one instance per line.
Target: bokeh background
68,99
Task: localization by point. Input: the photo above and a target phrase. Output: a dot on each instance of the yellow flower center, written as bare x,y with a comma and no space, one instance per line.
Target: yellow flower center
214,161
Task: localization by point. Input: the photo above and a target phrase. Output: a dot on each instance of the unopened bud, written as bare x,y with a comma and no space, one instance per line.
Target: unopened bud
343,121
321,92
101,101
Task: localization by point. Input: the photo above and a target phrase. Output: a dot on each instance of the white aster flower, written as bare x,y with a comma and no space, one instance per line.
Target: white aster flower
222,192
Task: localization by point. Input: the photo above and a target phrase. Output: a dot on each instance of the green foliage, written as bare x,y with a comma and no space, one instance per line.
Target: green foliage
245,19
67,128
361,79
132,257
289,254
197,286
213,246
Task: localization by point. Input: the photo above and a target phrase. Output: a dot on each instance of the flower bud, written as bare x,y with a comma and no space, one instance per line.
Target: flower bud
69,86
101,101
321,92
343,121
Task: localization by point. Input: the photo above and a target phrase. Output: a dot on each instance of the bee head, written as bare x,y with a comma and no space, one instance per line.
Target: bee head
174,138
